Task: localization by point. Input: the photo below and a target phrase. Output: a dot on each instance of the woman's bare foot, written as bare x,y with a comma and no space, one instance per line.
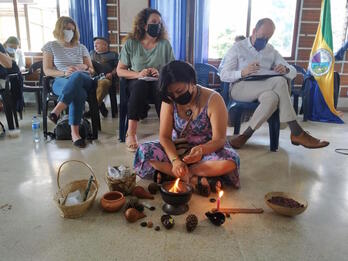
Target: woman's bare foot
201,185
131,142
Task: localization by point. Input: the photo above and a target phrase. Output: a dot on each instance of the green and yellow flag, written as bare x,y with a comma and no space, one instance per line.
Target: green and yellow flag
322,60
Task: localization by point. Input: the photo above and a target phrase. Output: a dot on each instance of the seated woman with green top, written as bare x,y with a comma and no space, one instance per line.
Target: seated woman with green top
145,51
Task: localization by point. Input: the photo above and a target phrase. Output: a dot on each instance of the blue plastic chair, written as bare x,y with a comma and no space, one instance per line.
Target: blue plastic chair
236,109
203,71
297,92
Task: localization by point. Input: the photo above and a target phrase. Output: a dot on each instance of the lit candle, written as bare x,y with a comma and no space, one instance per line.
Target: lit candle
219,199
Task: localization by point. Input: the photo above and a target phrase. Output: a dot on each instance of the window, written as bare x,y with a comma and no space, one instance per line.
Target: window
229,18
36,19
338,23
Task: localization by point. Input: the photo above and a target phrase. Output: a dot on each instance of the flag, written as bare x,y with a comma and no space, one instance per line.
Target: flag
322,61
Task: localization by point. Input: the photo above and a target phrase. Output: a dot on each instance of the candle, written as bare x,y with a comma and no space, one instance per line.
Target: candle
218,200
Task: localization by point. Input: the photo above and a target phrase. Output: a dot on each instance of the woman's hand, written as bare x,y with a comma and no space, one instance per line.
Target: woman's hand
81,67
153,72
179,169
143,73
70,70
195,155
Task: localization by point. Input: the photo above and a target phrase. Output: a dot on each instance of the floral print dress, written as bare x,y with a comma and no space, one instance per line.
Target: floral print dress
198,132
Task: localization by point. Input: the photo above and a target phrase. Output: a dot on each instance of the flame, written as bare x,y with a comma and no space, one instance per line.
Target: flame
221,193
175,188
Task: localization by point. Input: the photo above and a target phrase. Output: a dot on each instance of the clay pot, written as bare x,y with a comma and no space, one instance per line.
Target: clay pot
132,215
140,192
112,201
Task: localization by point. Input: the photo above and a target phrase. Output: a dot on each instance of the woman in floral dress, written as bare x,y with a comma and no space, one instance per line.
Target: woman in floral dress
198,117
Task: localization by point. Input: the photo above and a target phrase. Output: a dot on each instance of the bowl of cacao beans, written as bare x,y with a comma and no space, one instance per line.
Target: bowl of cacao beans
285,204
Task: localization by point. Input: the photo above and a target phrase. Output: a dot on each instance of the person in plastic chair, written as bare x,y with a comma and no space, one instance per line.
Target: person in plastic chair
145,51
69,62
104,62
12,48
255,56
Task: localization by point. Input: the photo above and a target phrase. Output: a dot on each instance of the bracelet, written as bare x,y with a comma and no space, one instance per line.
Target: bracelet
173,159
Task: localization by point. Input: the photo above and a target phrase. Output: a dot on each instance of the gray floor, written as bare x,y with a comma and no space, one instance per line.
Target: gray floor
31,228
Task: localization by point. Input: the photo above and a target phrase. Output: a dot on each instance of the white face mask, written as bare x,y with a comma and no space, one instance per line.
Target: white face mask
68,35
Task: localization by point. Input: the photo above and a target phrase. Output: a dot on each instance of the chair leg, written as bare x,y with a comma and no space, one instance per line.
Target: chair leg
113,100
237,121
93,106
14,112
7,108
44,112
38,103
274,129
296,103
123,121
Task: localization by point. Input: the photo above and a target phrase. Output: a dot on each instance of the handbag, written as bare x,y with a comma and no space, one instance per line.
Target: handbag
62,130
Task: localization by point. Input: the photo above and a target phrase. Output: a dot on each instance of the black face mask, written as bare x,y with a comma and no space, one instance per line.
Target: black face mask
184,98
154,29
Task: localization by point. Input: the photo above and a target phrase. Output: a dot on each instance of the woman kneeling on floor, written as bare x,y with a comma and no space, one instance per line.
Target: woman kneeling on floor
193,119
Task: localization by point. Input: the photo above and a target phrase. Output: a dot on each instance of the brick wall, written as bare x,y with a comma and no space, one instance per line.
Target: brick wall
308,27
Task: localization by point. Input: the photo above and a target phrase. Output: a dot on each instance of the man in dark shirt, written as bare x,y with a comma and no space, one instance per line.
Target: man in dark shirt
105,62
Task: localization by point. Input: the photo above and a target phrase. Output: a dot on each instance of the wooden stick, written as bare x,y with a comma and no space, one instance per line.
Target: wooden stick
239,210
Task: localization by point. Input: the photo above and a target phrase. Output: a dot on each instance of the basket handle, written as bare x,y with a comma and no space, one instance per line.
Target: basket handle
78,161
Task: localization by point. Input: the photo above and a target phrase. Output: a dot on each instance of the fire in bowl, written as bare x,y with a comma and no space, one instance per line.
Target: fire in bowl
176,195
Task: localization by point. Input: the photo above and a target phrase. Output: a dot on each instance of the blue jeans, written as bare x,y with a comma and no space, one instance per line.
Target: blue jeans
73,92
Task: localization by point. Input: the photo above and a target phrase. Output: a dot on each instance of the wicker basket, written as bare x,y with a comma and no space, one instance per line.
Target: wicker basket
75,211
124,185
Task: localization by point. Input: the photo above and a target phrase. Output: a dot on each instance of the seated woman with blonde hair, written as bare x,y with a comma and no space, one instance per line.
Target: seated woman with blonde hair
68,61
197,116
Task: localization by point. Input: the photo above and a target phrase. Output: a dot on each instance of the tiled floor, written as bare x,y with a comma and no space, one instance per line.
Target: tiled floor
31,228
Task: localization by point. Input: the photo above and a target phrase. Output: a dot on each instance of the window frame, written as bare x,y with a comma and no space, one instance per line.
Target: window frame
216,61
18,34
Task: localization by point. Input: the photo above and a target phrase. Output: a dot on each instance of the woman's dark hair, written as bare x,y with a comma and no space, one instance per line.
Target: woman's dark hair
175,72
138,29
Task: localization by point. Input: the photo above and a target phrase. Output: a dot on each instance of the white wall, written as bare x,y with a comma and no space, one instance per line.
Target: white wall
128,11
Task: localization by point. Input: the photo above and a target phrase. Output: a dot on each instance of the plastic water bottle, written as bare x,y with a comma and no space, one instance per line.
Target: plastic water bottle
35,125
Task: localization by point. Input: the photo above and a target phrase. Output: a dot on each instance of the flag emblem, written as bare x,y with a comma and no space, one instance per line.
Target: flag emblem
320,62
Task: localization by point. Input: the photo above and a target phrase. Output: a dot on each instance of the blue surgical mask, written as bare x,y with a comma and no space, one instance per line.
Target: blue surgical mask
10,50
260,43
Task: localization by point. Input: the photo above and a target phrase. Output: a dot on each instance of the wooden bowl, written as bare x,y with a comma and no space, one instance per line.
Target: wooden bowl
112,201
286,211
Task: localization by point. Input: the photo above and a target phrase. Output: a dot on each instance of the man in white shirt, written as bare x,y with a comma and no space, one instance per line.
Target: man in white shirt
255,56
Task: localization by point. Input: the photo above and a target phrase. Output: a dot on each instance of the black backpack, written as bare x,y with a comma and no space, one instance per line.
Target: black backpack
63,131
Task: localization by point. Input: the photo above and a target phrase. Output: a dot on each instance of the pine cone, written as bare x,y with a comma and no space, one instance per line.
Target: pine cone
191,222
133,203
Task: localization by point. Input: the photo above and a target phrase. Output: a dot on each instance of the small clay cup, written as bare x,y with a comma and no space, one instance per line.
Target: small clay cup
112,201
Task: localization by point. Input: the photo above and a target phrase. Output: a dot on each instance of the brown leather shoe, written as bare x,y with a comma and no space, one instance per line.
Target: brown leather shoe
308,141
238,141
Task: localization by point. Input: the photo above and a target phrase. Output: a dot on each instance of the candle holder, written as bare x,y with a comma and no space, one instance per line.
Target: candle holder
176,202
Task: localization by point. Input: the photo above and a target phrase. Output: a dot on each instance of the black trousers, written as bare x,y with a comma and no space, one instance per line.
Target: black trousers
141,93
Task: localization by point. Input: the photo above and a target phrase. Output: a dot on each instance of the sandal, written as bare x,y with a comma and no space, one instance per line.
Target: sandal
162,177
53,117
132,147
203,190
80,143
